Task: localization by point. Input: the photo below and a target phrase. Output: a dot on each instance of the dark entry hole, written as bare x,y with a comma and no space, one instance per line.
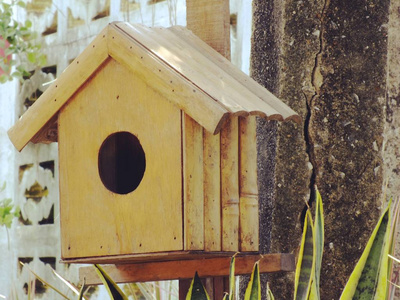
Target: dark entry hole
122,162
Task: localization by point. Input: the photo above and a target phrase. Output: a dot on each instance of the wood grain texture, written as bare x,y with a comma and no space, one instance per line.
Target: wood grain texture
199,69
209,20
212,192
193,197
94,220
172,85
50,102
283,111
230,185
248,187
184,269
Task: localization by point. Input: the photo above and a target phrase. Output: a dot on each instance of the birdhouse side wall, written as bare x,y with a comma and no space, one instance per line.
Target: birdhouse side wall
220,186
96,221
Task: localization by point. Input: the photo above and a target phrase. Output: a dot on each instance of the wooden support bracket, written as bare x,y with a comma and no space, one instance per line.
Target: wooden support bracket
184,269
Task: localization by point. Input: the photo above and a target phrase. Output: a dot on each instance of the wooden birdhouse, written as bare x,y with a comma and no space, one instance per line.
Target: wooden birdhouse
156,155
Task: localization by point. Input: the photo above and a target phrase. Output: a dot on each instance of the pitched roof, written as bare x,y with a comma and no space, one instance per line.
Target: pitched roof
187,71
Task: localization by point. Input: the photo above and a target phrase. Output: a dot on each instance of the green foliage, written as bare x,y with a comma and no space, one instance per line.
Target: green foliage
7,210
197,290
17,40
305,268
253,290
369,278
113,289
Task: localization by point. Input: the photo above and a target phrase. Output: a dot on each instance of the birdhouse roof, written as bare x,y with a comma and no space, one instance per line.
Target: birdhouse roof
175,62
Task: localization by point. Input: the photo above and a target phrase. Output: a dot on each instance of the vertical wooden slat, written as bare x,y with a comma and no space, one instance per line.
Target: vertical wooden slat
193,184
212,192
248,201
230,185
209,20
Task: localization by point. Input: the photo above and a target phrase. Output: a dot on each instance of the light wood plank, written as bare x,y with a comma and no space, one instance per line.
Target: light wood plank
230,185
50,102
216,33
188,61
212,192
95,221
285,112
184,269
193,184
173,86
248,201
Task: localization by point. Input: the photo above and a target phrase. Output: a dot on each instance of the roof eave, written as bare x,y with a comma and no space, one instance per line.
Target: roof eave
59,92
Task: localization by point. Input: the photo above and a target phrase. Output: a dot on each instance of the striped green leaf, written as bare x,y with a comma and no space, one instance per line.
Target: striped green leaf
270,296
113,289
253,290
393,238
319,246
197,290
369,277
305,267
232,278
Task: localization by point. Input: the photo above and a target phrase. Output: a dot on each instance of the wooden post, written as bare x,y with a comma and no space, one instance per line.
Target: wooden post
209,20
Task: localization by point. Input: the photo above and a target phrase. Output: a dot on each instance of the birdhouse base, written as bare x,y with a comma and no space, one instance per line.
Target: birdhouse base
185,269
152,257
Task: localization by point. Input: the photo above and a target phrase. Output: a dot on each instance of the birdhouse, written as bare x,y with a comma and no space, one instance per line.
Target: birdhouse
156,141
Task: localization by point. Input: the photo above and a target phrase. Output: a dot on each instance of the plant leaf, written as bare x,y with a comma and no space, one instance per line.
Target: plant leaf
231,278
253,290
305,266
319,245
270,296
66,282
44,282
393,237
197,290
113,289
365,276
81,292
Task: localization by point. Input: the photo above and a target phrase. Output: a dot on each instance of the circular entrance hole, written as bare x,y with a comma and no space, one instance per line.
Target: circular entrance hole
122,162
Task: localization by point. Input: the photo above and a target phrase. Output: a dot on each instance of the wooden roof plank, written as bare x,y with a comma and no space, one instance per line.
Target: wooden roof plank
286,112
50,102
238,94
193,65
208,112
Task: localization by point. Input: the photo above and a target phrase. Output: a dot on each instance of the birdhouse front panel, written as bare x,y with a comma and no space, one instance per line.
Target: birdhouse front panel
120,168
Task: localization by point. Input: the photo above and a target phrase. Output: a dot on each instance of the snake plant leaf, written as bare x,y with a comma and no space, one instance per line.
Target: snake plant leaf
305,266
369,277
44,282
197,290
319,246
393,239
113,289
81,292
253,290
232,278
270,296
